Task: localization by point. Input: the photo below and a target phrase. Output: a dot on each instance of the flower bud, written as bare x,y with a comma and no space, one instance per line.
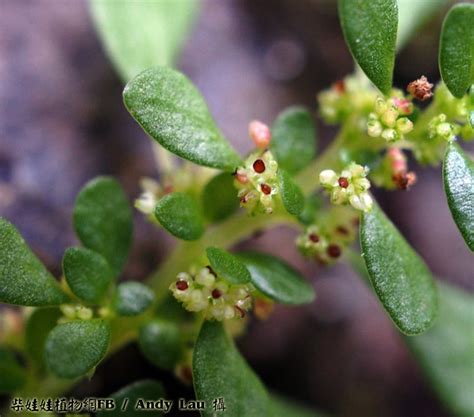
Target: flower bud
260,134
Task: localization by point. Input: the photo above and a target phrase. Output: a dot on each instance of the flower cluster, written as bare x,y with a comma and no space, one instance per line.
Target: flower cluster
207,293
440,128
393,171
345,97
388,120
421,88
73,312
257,182
350,186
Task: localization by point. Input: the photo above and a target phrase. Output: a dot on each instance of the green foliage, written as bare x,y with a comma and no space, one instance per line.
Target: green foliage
291,194
276,279
370,30
23,278
13,375
228,266
132,298
456,53
179,213
38,326
103,220
138,35
458,173
400,278
412,15
220,371
219,197
446,352
311,206
76,347
145,389
160,342
172,111
87,273
294,139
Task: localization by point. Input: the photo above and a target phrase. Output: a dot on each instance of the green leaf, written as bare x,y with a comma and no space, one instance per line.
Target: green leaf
311,206
103,220
291,194
228,266
276,279
446,352
13,375
458,173
294,139
370,30
23,278
180,214
141,34
87,273
160,342
219,371
132,299
172,111
219,197
414,14
145,389
76,347
38,326
400,278
456,52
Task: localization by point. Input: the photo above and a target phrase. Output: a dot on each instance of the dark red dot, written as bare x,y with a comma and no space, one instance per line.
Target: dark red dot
314,237
259,166
182,285
343,182
342,230
216,293
266,189
334,251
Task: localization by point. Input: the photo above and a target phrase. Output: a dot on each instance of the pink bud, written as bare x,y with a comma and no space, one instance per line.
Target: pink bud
241,176
260,134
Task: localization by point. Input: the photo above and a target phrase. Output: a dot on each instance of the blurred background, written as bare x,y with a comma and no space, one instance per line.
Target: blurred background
62,122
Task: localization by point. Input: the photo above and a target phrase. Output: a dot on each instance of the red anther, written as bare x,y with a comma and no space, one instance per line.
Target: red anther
241,311
216,294
182,285
421,89
260,134
314,237
340,86
342,230
259,166
343,182
334,251
266,189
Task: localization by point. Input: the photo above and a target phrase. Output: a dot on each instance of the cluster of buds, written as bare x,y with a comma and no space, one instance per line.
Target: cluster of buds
421,89
257,180
440,128
389,119
350,186
345,97
326,242
73,312
213,296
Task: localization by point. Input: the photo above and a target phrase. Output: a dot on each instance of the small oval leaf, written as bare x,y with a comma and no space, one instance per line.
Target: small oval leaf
87,273
74,348
228,266
458,173
23,278
446,351
294,139
179,213
132,299
456,52
13,374
128,397
291,194
400,278
103,220
276,279
172,111
219,371
160,342
218,209
370,30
